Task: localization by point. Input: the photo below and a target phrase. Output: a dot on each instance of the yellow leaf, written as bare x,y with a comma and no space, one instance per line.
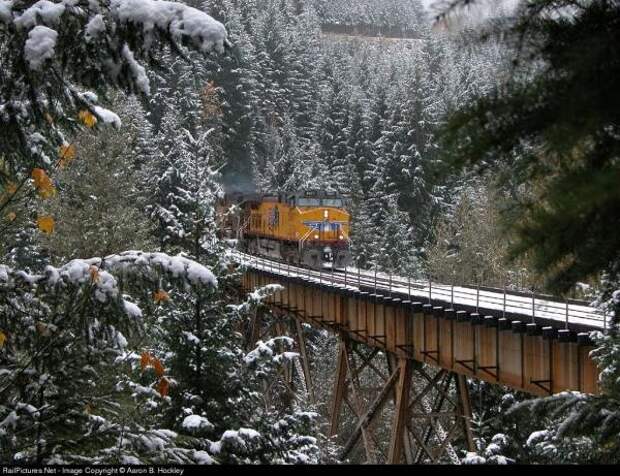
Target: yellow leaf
11,216
46,224
66,152
160,296
88,119
2,339
88,408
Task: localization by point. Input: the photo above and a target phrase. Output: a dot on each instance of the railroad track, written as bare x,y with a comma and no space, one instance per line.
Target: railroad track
545,309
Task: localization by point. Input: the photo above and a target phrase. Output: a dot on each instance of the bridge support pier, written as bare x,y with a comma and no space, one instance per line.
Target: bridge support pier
431,411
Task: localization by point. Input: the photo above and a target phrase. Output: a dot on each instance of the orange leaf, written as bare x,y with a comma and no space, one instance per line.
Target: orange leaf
46,224
43,329
66,152
159,368
2,339
94,273
39,176
11,188
43,183
48,191
160,296
163,386
145,360
11,216
87,118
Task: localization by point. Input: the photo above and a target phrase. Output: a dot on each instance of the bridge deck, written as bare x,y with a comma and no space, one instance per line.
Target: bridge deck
541,309
518,350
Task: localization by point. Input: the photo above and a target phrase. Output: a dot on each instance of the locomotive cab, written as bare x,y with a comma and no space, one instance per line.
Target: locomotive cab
306,228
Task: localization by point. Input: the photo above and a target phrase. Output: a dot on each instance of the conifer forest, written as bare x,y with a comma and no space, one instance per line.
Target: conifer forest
309,232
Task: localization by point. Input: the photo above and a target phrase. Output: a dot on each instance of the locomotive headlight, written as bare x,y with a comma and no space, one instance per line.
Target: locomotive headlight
325,214
341,237
316,237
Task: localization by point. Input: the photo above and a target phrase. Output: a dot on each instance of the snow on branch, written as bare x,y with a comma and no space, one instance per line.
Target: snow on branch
266,351
180,20
99,273
257,297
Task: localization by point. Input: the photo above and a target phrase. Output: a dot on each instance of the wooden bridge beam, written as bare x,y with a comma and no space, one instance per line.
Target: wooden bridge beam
340,388
401,415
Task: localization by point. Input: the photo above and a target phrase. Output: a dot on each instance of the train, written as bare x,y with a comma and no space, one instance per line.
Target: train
308,228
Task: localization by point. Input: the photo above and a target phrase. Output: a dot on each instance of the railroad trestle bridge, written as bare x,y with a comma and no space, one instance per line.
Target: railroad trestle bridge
432,342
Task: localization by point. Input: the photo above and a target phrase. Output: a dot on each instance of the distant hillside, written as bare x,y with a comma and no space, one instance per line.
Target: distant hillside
386,32
373,18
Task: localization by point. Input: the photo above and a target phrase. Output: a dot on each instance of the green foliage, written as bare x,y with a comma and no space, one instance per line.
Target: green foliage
99,209
67,331
554,128
41,99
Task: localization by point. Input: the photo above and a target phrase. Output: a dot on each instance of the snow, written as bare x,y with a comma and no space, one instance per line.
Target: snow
178,266
191,337
48,12
121,341
89,96
137,70
493,449
500,439
5,10
131,309
195,423
107,116
239,437
286,356
182,21
536,437
94,28
215,447
265,349
153,443
202,457
10,420
53,275
198,274
249,433
40,46
473,458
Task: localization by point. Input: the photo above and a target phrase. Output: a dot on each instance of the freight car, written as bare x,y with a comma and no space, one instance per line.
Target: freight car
307,228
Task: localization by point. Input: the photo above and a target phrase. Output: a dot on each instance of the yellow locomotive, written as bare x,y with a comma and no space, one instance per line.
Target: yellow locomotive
308,228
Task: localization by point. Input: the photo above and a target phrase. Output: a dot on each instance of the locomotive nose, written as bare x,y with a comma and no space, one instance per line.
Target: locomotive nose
327,254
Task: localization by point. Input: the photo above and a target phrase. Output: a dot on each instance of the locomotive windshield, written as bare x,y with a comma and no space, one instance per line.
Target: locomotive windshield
332,202
317,202
309,202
